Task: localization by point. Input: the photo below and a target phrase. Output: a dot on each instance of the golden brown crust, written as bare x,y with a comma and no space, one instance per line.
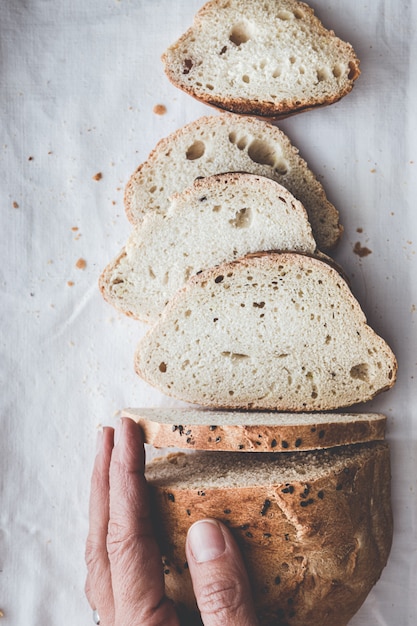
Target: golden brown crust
281,436
313,549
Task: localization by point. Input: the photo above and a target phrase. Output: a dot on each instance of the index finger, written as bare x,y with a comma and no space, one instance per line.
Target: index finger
135,559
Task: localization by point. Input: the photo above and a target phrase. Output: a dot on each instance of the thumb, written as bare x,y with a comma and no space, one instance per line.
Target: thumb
220,581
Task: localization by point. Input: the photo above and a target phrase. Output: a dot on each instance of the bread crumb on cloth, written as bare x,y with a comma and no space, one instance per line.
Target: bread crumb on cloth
361,250
159,109
81,264
98,176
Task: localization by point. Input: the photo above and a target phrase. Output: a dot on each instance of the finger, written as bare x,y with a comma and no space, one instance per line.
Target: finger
98,585
135,559
220,581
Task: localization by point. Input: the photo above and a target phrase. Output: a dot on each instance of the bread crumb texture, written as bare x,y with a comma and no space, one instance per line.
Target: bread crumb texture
98,176
264,57
269,331
315,528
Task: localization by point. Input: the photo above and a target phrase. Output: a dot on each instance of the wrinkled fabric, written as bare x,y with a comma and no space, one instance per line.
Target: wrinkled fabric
78,84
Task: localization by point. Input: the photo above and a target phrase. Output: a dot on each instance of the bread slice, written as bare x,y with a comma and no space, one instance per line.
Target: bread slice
268,58
315,528
269,331
227,143
254,431
217,219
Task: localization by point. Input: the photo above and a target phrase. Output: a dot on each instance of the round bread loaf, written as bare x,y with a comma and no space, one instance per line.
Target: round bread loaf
315,528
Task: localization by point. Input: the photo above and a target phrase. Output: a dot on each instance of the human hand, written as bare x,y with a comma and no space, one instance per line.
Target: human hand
125,580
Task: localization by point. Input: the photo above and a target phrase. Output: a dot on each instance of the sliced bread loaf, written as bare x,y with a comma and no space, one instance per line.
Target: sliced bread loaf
315,528
229,143
268,58
217,219
254,431
269,331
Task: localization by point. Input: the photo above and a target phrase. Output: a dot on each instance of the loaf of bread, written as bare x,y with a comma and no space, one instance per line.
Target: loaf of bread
229,143
269,331
268,58
254,431
315,528
219,218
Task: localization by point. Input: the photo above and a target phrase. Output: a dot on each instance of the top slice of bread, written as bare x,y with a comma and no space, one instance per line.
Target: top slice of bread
254,431
219,218
267,58
269,331
229,143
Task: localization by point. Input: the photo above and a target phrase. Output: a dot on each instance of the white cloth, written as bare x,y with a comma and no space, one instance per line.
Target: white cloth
79,81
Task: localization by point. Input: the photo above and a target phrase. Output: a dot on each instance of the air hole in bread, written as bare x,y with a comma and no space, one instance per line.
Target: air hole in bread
151,272
360,372
242,143
298,14
162,367
337,70
235,356
195,151
285,15
242,219
261,152
240,34
281,167
245,78
323,74
209,86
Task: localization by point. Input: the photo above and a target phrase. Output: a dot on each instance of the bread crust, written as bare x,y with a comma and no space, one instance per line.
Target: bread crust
313,548
286,434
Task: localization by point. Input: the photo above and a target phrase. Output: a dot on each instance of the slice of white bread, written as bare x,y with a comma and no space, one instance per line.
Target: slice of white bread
227,143
269,331
315,528
268,58
254,431
217,219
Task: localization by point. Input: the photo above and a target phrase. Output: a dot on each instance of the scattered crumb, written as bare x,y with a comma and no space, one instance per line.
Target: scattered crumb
413,308
373,170
70,283
81,264
15,205
30,158
113,202
361,251
98,176
50,152
74,228
359,230
159,109
1,613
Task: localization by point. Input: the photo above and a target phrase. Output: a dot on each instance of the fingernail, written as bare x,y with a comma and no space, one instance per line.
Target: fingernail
118,431
99,441
206,541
